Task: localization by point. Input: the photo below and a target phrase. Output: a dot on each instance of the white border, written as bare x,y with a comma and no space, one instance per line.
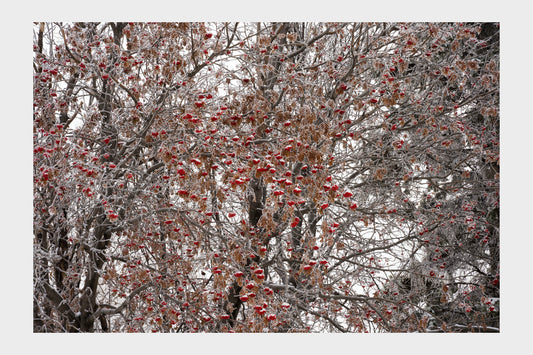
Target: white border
16,241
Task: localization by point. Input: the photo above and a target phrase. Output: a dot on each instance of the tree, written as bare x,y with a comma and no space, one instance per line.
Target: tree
250,177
